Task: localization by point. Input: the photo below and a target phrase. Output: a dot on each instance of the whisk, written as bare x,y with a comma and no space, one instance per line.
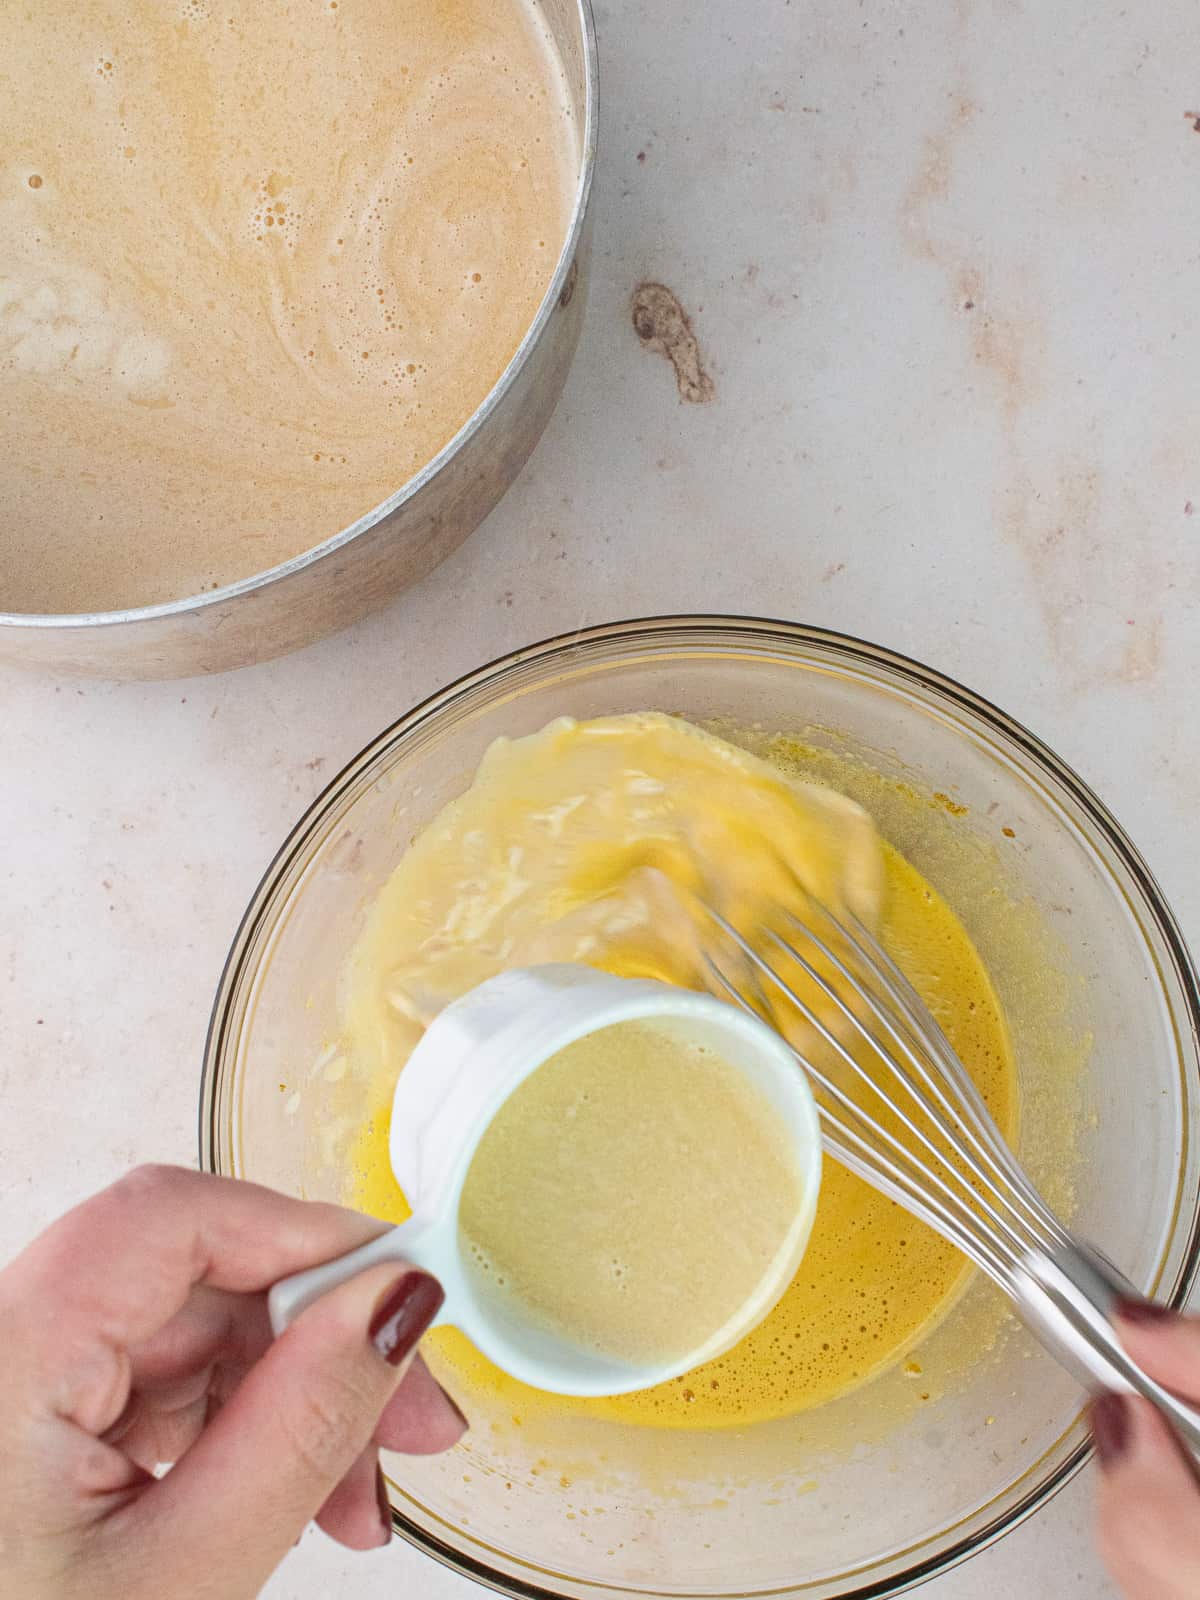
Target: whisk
898,1107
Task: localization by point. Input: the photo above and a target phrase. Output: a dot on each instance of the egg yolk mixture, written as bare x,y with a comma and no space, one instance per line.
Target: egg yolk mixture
595,842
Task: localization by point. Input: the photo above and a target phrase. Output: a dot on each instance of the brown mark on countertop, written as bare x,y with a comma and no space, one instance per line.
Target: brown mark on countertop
1142,656
1194,118
1054,528
931,181
1103,616
998,341
663,326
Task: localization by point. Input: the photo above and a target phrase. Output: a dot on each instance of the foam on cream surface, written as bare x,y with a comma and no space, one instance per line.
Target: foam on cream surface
257,266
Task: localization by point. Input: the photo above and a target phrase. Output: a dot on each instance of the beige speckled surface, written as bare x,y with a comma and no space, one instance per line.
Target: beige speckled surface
941,264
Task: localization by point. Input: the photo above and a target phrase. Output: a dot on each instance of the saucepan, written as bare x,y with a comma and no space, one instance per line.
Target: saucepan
360,568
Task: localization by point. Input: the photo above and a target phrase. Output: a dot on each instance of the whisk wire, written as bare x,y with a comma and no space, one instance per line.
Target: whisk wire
930,1113
971,1187
876,1147
915,1041
979,1126
862,1156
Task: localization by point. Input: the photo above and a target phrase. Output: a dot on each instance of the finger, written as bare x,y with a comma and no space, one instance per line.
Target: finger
177,1374
160,1434
213,1327
1165,1343
162,1424
289,1433
357,1514
218,1336
421,1419
112,1272
1149,1512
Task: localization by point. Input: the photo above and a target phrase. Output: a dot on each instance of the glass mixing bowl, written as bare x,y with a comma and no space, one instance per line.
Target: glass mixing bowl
944,1451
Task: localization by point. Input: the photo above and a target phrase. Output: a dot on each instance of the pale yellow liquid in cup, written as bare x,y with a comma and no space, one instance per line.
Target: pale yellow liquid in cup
258,264
633,1195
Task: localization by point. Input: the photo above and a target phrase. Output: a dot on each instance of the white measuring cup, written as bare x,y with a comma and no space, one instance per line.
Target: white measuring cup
469,1061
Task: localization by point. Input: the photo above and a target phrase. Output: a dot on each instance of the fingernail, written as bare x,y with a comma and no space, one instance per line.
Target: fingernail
1144,1312
456,1408
406,1312
385,1505
1110,1427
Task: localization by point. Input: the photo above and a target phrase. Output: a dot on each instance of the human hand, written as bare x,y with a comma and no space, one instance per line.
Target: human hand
1149,1524
135,1332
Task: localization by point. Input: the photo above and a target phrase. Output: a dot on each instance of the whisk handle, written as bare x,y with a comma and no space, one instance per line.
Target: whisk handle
1069,1300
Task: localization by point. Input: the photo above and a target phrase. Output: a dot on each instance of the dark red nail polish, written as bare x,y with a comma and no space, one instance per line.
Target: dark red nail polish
406,1312
456,1408
1110,1427
385,1507
1144,1312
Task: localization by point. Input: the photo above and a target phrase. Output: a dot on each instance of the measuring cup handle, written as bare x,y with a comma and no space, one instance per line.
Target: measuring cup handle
412,1242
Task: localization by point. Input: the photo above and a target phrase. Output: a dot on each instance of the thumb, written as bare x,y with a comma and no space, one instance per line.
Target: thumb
291,1431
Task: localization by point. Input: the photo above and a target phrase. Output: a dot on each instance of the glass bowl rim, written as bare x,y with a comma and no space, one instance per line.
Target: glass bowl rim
697,628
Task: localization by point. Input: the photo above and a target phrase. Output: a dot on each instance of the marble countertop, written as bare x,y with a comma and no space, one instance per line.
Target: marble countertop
941,262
